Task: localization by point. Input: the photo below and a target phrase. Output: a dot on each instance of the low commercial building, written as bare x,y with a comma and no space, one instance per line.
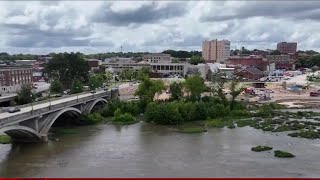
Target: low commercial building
250,73
200,69
94,64
117,65
157,58
168,68
13,76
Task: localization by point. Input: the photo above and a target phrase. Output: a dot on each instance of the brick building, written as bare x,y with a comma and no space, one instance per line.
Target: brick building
282,61
287,47
13,76
248,61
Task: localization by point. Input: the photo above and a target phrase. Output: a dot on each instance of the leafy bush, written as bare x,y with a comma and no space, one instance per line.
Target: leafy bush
92,118
240,113
120,118
282,128
306,134
283,154
242,123
265,111
261,148
126,107
5,139
215,123
163,113
126,117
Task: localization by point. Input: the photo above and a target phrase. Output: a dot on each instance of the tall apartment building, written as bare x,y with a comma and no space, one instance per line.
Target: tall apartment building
215,51
287,47
13,76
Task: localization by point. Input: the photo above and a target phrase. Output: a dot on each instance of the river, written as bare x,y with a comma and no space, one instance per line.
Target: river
146,150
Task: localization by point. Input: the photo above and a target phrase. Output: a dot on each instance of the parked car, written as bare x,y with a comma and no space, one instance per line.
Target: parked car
13,110
314,94
134,99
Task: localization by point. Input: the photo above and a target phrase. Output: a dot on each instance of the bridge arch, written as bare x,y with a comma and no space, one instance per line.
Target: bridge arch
92,104
22,133
53,117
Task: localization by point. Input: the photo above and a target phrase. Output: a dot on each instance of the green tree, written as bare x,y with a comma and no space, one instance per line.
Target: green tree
108,77
235,90
56,87
25,95
195,86
143,73
68,66
275,52
147,89
217,86
95,81
76,87
175,60
176,91
196,60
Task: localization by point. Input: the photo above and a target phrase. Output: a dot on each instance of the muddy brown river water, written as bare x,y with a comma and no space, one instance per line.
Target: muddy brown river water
145,150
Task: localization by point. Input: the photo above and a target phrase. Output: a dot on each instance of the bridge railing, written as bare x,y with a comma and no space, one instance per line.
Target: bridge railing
46,109
45,101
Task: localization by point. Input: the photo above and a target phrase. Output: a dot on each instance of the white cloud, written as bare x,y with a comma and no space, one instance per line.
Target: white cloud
98,26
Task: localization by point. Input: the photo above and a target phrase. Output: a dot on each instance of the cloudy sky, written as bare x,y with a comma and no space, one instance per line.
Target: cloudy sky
105,26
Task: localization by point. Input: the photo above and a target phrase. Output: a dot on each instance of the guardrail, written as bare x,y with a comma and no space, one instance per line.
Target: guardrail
45,101
38,112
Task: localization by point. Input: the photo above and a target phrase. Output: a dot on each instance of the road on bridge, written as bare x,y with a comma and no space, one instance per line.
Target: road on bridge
47,104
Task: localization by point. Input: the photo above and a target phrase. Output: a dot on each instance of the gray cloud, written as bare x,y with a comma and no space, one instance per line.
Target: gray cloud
271,9
155,26
146,14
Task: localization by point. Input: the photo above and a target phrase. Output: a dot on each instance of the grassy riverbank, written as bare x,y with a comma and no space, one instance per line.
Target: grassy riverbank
5,139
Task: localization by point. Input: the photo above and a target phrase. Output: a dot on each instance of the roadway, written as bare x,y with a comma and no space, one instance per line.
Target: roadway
47,104
7,97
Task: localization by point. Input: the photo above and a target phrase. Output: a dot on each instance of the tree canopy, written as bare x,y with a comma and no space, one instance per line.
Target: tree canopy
76,87
147,89
196,60
176,90
25,95
96,81
56,87
182,54
195,86
67,67
309,62
275,52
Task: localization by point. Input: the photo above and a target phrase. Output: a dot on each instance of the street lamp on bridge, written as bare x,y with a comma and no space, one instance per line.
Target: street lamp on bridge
49,100
77,93
31,104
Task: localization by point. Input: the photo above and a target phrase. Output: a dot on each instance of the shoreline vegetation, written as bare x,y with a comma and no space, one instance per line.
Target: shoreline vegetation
186,105
5,139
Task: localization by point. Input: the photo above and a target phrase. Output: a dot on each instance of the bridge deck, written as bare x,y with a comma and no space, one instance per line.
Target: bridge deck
23,110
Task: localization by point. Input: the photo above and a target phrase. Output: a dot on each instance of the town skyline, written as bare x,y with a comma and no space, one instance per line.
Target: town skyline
149,26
